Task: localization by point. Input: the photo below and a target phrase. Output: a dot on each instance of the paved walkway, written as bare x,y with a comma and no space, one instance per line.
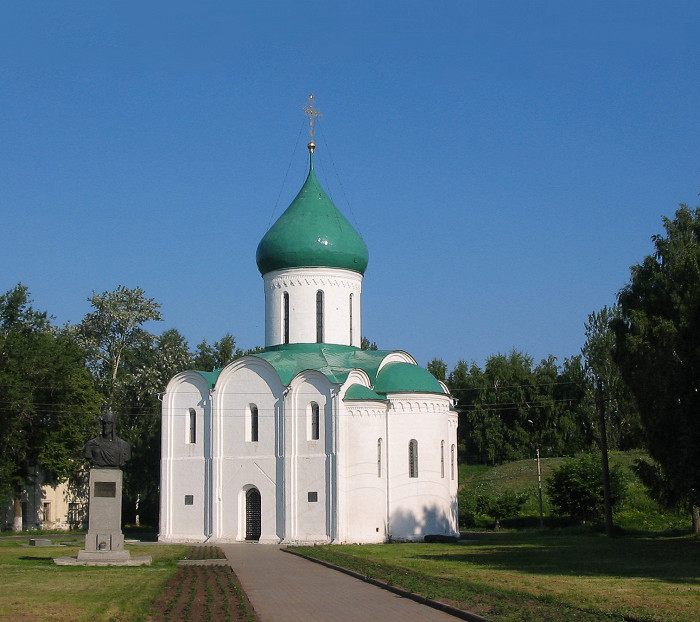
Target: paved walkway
287,588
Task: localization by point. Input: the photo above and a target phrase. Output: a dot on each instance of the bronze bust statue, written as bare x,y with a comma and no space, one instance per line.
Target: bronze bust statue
107,450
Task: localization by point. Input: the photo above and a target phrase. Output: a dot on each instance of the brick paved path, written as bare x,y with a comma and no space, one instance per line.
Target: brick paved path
287,588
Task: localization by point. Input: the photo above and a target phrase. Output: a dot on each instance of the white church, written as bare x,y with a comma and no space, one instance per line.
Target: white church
313,440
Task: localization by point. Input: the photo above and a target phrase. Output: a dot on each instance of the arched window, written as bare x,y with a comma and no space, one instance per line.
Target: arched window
253,423
193,425
315,421
350,319
452,462
442,458
413,458
319,316
285,316
379,457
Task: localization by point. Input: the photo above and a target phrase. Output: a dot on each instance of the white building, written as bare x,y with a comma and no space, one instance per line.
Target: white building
315,439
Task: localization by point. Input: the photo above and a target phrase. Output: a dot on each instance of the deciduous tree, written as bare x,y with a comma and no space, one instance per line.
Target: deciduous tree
658,350
47,399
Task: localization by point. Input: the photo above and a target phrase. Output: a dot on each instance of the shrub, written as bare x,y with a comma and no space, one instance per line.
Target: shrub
506,505
576,488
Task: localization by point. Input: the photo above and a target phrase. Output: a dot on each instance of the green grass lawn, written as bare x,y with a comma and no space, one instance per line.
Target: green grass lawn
513,577
34,588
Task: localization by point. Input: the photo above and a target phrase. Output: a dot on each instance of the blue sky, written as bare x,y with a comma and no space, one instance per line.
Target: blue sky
505,162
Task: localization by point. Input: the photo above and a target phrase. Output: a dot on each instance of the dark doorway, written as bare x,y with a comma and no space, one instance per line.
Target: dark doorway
252,514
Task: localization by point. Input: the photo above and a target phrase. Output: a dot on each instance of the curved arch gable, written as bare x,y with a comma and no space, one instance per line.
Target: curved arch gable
356,376
397,356
253,363
189,377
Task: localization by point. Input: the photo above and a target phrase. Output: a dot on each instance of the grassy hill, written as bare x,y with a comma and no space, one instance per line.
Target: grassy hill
637,512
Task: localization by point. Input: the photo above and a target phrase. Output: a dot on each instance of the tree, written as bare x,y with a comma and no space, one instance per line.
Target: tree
47,399
209,358
576,488
438,368
366,345
110,331
124,360
603,374
497,402
657,346
505,505
611,397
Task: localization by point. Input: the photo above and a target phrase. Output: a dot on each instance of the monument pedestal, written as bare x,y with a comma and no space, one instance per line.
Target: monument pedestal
104,542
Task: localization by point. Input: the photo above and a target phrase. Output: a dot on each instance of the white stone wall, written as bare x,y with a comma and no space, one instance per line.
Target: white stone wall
302,284
426,504
362,479
309,463
186,478
239,462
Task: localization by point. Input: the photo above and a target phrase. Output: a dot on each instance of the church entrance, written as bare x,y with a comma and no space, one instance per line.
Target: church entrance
252,514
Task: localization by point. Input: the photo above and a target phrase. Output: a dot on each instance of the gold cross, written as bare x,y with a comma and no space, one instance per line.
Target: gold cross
313,114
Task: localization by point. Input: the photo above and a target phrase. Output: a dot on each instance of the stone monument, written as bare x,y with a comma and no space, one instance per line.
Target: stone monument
107,453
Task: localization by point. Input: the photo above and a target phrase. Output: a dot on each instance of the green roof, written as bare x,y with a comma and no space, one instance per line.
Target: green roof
333,361
336,362
312,233
360,392
210,376
406,378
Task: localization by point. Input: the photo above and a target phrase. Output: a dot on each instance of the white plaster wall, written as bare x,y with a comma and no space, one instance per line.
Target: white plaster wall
309,464
426,504
185,466
239,462
302,284
362,487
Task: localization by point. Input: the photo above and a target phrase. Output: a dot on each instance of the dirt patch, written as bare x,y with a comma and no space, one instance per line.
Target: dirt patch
210,593
205,552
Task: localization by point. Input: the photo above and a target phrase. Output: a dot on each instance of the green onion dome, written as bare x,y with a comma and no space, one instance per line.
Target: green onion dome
312,233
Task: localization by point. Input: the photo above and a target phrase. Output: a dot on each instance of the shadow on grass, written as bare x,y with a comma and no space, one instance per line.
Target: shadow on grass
668,559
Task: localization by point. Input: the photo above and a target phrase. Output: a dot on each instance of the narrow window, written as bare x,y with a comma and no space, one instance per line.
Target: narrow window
285,316
452,462
319,316
315,421
442,458
253,423
379,457
73,513
350,319
193,425
413,458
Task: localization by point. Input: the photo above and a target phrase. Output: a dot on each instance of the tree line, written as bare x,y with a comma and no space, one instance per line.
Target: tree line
55,382
634,384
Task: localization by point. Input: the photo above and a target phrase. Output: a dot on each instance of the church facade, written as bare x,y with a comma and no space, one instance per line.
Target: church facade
313,440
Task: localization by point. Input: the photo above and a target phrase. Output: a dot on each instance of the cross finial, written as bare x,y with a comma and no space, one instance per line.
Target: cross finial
313,114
